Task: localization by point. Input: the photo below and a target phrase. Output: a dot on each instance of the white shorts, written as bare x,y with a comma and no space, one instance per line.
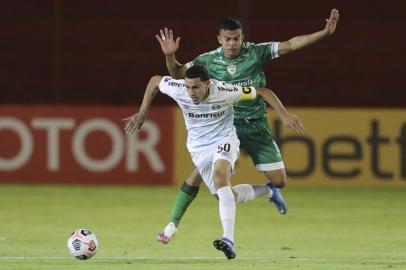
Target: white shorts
227,148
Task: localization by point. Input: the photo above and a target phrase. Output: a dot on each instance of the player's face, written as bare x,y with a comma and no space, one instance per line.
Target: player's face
198,90
231,41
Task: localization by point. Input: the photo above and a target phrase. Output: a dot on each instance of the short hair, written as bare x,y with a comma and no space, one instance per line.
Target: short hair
197,71
230,23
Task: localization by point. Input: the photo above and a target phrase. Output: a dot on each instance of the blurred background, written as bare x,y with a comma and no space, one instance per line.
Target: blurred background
56,51
67,65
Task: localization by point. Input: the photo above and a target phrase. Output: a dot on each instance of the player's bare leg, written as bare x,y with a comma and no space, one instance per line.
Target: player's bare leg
186,195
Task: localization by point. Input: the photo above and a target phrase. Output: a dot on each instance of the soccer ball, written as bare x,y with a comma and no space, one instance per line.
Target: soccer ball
83,244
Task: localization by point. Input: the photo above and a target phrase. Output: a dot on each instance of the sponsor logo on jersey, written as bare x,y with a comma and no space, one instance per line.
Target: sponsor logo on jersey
175,84
232,69
227,89
244,82
167,79
216,106
206,115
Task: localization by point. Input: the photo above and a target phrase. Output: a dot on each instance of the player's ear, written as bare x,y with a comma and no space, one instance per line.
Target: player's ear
242,36
219,38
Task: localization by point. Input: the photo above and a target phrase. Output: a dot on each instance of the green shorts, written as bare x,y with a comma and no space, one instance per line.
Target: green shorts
257,140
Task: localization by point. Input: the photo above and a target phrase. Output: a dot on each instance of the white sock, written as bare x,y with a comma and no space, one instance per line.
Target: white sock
262,191
245,192
227,211
248,192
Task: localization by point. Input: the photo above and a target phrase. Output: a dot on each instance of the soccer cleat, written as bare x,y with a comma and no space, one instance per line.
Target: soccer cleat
225,245
167,234
278,199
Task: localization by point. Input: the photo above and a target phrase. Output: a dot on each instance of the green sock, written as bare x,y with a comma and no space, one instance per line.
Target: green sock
185,196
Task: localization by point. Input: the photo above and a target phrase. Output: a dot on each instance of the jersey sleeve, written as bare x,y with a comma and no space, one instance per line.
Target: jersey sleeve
170,87
267,50
201,60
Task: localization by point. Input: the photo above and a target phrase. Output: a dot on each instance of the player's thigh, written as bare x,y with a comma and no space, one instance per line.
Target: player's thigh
203,161
194,178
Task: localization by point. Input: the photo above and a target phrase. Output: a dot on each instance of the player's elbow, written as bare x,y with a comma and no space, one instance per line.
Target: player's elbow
155,80
286,47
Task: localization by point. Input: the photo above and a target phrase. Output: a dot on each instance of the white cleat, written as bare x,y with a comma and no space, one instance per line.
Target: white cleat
167,234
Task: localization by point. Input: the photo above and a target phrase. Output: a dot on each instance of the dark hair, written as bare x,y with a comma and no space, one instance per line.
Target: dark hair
197,71
230,23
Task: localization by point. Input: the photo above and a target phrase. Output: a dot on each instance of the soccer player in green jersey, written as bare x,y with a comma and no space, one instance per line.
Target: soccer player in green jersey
241,63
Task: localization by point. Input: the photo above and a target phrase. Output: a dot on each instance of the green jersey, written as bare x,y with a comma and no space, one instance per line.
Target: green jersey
245,70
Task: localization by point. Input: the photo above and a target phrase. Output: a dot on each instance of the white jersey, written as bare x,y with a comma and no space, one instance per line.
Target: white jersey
212,119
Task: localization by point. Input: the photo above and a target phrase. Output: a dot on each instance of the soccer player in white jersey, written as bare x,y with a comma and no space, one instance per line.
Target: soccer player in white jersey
212,141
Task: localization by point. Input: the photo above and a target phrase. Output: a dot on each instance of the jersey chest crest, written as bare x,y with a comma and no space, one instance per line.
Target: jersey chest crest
232,69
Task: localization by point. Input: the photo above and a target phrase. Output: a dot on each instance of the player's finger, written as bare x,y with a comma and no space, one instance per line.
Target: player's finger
296,128
177,41
171,34
132,129
166,33
126,129
128,126
162,34
336,15
300,127
158,38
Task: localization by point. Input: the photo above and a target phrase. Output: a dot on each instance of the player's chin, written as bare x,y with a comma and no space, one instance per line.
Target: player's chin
232,52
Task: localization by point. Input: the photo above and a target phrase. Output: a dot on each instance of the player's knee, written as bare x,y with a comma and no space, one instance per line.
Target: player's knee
282,182
278,178
220,175
221,178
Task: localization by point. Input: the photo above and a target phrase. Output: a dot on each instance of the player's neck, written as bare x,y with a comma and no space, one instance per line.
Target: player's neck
207,94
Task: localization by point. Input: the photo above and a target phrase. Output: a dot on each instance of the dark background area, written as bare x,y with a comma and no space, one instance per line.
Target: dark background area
104,52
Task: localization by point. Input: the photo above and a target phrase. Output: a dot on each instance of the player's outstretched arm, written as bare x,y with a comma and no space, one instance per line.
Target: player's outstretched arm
169,47
299,42
289,120
135,121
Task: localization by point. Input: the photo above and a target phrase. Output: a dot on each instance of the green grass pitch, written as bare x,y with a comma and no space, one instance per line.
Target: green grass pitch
325,228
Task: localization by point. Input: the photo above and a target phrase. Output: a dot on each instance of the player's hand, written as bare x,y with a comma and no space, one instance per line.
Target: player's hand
331,23
292,121
168,44
134,122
